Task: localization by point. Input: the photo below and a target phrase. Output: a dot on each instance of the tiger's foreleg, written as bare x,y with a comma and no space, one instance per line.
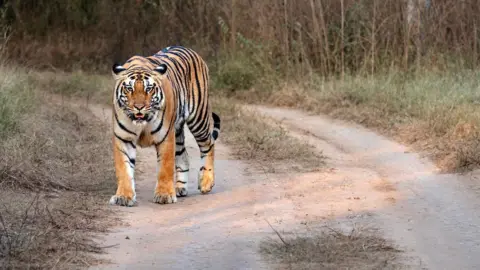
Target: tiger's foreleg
164,190
181,165
124,157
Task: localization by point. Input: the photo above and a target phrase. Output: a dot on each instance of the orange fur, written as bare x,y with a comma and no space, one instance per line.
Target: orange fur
145,140
166,151
148,91
124,183
207,182
165,188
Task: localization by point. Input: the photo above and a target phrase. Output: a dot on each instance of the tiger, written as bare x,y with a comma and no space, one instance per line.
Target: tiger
154,98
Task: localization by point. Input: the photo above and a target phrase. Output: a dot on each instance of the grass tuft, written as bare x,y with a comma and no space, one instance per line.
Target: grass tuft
254,138
332,249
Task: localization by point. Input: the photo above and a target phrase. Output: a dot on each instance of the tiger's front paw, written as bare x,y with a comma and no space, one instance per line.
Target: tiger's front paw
122,200
163,197
181,189
205,180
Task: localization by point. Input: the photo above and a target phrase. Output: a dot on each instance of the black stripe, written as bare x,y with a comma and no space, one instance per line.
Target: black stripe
183,182
131,160
216,120
202,140
206,151
178,153
202,134
186,57
200,123
183,56
182,170
123,127
125,141
201,115
159,125
215,134
193,62
178,66
176,80
166,135
179,131
119,101
153,61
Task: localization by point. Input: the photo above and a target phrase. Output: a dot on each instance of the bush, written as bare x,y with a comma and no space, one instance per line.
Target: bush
16,99
234,74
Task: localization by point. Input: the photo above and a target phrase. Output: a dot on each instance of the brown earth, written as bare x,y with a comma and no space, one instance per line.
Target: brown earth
369,182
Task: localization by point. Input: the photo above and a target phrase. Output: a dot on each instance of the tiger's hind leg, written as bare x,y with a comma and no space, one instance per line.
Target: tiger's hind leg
205,136
206,180
181,164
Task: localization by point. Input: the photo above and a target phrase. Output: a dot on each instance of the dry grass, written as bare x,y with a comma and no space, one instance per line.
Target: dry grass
52,189
251,136
254,138
331,249
436,112
329,36
49,231
93,87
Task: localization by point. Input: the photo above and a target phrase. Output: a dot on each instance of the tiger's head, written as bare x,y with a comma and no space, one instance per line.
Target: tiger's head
138,88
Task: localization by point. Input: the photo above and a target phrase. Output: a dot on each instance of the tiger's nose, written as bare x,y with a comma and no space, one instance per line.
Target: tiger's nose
139,106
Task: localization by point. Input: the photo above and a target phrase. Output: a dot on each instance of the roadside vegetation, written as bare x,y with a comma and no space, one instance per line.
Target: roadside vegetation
52,192
254,138
332,249
404,68
435,112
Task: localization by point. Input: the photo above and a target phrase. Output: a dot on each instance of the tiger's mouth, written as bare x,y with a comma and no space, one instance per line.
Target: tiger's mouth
139,117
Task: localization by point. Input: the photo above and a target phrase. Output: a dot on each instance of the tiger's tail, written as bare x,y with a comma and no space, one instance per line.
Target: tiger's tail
216,126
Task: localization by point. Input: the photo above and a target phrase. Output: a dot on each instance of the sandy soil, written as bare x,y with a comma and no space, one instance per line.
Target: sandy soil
433,216
369,181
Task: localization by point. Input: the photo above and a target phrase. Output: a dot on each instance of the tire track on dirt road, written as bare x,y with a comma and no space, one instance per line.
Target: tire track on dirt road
436,217
223,229
197,232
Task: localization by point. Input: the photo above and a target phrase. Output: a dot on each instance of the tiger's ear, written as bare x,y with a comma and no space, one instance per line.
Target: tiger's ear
162,68
117,68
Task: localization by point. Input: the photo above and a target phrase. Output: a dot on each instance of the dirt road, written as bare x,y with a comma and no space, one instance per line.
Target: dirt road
435,217
199,231
369,180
